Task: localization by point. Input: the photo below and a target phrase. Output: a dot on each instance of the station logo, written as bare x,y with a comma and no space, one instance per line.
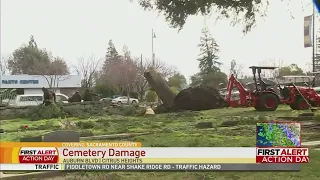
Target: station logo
34,155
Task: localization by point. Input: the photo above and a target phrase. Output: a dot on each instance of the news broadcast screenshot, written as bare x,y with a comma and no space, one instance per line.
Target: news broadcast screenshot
160,90
278,148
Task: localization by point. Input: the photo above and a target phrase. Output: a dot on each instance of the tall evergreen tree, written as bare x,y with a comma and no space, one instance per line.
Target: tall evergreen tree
209,49
112,55
210,74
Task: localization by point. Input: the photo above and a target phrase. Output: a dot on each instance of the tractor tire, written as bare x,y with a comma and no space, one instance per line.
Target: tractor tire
257,107
301,104
268,102
293,106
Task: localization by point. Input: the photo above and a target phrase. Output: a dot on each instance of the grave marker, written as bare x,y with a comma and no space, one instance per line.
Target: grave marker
62,136
31,139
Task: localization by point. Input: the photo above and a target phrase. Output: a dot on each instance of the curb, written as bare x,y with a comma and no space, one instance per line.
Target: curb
311,143
41,175
113,136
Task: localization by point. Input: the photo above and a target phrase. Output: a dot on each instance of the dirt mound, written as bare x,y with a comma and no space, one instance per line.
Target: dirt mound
199,98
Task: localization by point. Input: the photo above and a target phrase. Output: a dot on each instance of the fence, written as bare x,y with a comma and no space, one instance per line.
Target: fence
7,97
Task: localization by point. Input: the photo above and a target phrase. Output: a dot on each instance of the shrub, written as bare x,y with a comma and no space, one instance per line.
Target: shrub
47,112
73,111
86,133
104,122
174,90
85,124
128,110
151,96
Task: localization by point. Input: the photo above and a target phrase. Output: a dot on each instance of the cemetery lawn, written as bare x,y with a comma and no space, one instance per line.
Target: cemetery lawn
177,130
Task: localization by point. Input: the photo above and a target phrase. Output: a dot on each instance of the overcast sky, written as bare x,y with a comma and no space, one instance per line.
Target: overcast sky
72,28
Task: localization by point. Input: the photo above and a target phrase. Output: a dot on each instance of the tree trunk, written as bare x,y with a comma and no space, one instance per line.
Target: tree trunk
141,94
128,95
160,87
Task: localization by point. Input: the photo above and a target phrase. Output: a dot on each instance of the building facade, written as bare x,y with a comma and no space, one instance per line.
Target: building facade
33,84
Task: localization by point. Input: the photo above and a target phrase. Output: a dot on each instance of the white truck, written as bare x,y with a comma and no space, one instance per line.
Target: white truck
34,99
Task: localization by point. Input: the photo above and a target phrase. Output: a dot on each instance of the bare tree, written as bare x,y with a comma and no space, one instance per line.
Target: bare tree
239,70
126,53
57,71
87,67
4,68
236,69
124,74
271,63
129,70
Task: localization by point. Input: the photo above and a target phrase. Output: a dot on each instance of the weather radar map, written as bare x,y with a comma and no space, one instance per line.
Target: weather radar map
278,134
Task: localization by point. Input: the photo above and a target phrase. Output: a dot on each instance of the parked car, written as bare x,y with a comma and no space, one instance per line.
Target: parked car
124,100
109,99
35,99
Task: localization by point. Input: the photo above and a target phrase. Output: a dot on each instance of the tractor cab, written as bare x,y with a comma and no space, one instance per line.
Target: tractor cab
260,84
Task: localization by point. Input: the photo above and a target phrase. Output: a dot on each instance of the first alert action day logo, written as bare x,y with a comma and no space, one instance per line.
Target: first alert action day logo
45,155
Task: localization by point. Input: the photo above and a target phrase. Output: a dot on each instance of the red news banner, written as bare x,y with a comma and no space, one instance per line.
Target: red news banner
45,155
282,155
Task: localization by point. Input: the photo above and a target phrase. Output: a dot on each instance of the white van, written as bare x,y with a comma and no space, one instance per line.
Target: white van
35,99
317,89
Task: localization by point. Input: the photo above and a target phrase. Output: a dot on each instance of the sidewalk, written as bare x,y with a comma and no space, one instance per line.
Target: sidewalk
47,174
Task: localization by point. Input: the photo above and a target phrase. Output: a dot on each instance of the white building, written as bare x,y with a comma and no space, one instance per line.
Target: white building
33,84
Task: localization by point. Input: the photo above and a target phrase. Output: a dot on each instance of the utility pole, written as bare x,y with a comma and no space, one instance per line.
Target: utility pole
0,51
313,38
153,55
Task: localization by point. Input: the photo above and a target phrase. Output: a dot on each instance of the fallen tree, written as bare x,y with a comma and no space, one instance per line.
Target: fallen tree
199,98
193,98
160,86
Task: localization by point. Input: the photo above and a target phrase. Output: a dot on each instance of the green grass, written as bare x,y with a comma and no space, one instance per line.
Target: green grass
178,130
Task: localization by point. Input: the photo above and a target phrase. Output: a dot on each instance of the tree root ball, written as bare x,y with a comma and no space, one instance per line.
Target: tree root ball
199,98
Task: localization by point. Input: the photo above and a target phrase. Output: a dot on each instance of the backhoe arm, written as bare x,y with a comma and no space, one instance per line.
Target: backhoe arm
242,91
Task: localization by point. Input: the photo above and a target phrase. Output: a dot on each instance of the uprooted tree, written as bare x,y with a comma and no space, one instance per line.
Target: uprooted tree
160,86
201,97
164,69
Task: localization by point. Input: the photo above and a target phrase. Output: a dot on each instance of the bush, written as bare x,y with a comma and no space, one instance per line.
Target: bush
128,110
47,112
86,133
151,96
104,122
174,90
85,124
